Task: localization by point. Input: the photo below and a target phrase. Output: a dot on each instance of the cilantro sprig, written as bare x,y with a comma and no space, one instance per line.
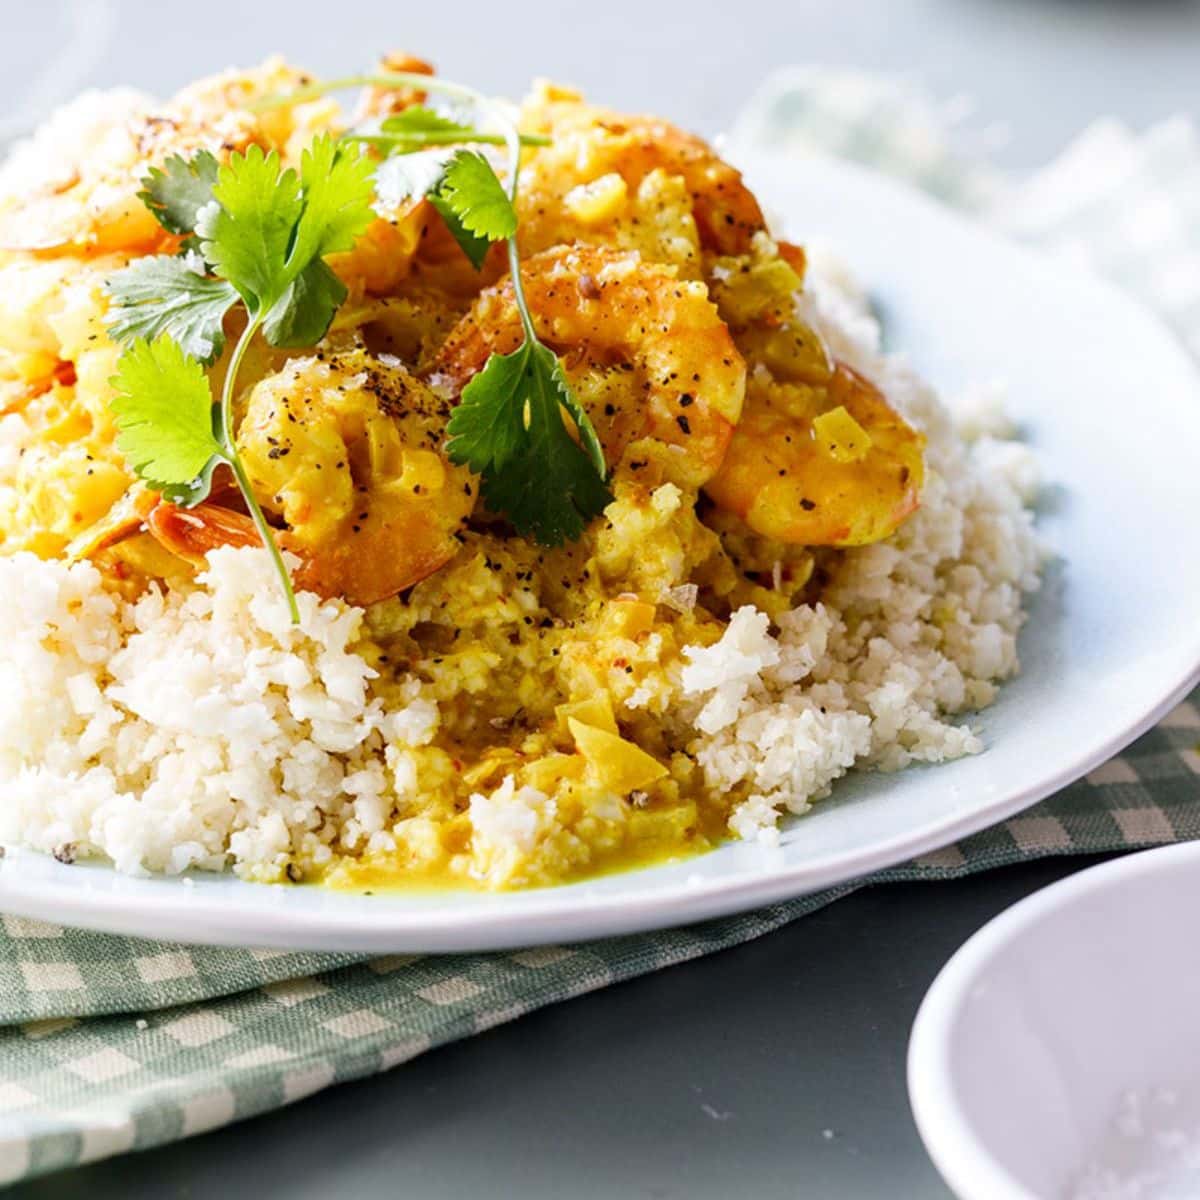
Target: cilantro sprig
255,235
510,425
258,236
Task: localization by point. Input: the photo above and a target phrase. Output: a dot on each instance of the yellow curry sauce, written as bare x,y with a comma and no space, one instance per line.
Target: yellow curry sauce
739,453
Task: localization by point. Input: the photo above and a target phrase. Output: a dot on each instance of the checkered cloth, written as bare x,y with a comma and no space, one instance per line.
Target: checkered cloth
110,1044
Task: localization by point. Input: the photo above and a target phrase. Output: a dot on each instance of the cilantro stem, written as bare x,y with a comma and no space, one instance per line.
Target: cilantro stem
265,532
514,268
385,140
395,79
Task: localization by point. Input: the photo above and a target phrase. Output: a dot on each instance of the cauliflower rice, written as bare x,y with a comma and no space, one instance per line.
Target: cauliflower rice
195,727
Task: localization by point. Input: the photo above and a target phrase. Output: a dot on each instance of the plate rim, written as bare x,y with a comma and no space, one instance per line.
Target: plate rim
560,914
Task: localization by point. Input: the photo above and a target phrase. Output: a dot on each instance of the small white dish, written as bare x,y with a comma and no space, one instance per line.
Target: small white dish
1110,402
1057,1055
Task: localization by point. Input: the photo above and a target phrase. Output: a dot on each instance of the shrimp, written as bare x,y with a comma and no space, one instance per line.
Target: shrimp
587,184
679,378
144,537
410,327
190,533
382,256
75,189
345,450
821,466
819,458
85,201
377,102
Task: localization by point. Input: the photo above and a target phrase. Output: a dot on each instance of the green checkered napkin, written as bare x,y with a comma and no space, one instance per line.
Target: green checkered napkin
110,1044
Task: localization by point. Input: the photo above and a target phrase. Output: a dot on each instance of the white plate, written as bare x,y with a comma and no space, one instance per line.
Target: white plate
1062,1040
1112,405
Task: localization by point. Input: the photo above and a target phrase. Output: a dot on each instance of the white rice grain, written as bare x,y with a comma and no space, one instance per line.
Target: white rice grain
200,729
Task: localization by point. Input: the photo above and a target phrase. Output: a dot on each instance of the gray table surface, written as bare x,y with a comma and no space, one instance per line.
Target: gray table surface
772,1071
775,1069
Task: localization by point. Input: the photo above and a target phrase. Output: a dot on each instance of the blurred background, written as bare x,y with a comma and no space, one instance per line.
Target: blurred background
1033,72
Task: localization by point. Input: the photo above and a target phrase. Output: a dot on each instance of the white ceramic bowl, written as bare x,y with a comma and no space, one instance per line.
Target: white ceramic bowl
1058,1052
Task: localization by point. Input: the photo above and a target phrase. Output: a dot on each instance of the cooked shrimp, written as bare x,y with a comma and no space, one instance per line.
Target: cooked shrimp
588,178
74,190
821,466
191,533
610,312
382,256
143,536
376,102
410,327
85,201
345,450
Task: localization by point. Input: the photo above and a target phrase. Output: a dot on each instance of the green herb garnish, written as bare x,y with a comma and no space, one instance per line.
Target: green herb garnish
257,235
164,408
509,425
263,233
508,428
176,192
174,297
419,128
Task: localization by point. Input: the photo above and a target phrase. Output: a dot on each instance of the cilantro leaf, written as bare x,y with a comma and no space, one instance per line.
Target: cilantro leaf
471,200
179,190
164,413
247,238
302,315
589,439
473,246
160,295
272,227
461,186
475,195
338,190
416,123
509,427
488,423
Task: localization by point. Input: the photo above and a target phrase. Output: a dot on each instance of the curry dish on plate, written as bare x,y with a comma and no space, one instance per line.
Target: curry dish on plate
427,490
